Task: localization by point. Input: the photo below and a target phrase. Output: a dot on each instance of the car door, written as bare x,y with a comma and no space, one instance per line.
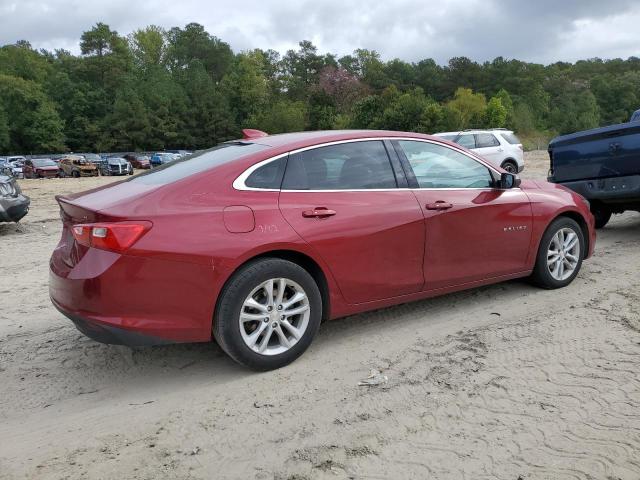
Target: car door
344,201
488,146
473,231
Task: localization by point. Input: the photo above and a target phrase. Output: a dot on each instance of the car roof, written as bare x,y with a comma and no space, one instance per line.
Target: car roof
475,130
303,139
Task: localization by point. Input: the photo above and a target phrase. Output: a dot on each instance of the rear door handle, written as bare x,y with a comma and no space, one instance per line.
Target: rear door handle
439,205
318,212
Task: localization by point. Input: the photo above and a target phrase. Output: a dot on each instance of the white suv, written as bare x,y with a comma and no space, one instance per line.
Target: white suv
499,146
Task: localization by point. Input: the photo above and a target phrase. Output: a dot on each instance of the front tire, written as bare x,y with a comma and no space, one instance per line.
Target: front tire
267,314
560,254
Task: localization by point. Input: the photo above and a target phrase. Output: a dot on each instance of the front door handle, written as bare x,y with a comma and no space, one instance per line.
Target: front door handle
439,205
318,212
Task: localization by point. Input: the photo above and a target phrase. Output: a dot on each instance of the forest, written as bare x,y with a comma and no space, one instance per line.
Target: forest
156,89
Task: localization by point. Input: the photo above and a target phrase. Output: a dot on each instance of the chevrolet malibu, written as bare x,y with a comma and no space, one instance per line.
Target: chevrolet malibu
255,242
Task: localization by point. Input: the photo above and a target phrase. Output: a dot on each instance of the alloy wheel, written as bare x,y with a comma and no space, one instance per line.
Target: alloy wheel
274,316
563,254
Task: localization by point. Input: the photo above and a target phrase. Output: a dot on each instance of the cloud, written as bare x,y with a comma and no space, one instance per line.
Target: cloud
543,31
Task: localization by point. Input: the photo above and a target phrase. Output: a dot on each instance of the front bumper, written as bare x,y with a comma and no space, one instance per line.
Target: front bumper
12,209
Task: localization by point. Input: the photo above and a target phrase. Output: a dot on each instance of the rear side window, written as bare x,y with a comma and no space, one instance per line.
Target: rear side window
511,138
347,166
268,176
467,141
197,163
484,140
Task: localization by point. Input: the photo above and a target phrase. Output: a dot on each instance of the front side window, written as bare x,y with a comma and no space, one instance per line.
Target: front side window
346,166
437,166
466,141
484,140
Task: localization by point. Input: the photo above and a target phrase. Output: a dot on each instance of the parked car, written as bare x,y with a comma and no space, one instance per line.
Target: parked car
13,204
40,168
499,146
138,161
602,165
96,159
117,166
158,159
16,158
254,242
12,169
77,166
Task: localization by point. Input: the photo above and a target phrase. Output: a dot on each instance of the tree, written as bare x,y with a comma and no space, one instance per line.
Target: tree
246,86
283,116
4,131
149,47
495,114
34,125
470,106
194,44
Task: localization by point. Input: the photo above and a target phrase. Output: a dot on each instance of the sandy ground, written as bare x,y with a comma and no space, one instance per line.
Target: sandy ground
506,381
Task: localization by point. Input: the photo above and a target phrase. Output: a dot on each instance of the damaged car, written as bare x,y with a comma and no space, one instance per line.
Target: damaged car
13,204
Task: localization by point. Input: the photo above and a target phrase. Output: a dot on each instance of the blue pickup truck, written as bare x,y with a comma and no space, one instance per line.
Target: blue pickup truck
602,165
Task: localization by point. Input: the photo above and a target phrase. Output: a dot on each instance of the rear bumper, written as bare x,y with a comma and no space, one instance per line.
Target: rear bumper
12,209
133,300
108,333
607,190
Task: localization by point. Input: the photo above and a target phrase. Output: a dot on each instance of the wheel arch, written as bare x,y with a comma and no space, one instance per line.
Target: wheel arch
299,258
580,220
509,160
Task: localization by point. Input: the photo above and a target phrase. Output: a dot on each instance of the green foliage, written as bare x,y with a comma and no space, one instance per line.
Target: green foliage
495,114
470,107
282,116
185,88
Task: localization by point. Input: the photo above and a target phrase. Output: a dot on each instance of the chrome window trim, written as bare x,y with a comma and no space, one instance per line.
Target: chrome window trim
239,182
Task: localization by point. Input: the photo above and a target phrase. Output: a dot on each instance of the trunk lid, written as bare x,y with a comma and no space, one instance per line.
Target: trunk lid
97,205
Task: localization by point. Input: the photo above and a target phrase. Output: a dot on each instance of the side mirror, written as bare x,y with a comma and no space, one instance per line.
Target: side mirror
509,180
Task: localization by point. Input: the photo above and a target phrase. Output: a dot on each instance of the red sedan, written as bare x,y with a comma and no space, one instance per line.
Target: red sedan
40,168
254,242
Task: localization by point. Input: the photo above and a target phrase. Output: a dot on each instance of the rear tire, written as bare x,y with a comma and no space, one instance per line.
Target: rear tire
75,174
601,214
556,265
242,339
510,166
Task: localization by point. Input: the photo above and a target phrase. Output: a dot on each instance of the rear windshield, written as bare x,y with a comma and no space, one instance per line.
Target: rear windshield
451,138
196,163
511,138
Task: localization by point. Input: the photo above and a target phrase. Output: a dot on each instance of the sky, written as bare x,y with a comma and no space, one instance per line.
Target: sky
541,31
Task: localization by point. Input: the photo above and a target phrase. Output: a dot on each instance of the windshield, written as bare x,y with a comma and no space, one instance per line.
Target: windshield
199,162
44,162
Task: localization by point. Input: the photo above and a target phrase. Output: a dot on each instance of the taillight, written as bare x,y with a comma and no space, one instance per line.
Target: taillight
117,237
521,147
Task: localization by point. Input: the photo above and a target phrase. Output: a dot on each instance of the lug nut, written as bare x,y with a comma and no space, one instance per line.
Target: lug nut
279,307
269,308
282,317
266,320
